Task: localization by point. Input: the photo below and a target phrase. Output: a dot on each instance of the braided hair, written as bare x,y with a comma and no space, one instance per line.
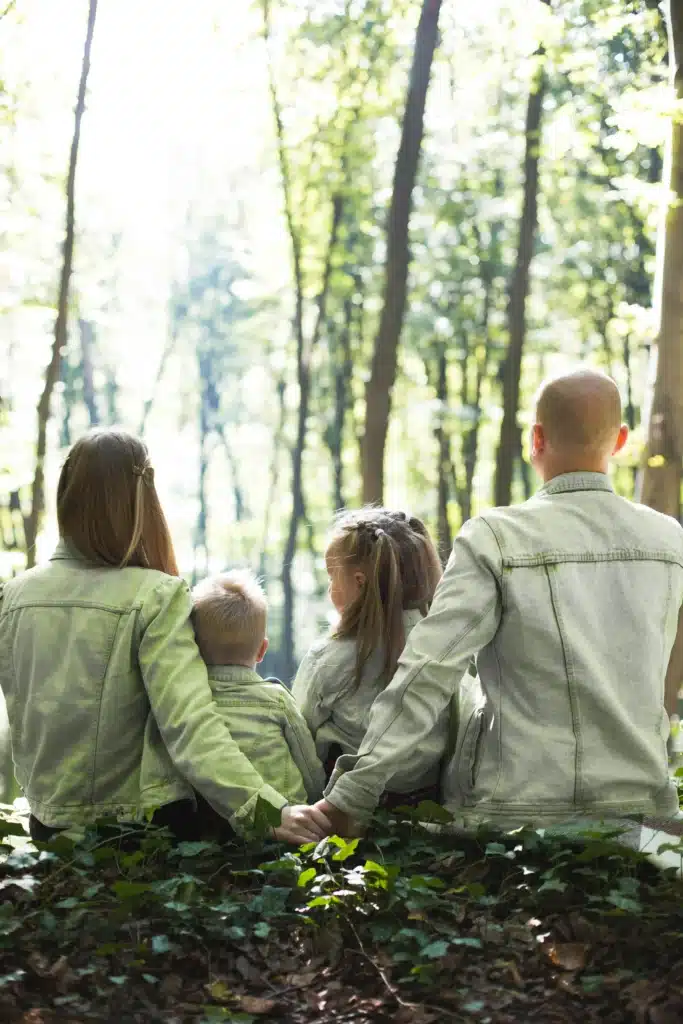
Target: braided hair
400,568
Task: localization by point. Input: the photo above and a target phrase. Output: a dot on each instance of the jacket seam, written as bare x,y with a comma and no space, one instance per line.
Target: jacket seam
571,691
552,557
103,683
62,603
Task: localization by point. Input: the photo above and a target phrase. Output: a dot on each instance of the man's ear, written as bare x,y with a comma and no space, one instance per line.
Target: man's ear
537,441
622,438
262,651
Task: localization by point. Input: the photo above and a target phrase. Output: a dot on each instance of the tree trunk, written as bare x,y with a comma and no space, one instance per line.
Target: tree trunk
201,528
273,474
35,516
342,370
509,445
443,530
660,480
67,375
169,347
660,485
238,493
385,355
87,333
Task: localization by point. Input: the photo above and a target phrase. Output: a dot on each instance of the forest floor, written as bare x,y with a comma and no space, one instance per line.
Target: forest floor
404,927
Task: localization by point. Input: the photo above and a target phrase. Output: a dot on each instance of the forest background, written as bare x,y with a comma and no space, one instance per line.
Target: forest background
304,229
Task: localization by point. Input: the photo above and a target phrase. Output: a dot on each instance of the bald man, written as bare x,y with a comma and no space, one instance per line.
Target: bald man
569,603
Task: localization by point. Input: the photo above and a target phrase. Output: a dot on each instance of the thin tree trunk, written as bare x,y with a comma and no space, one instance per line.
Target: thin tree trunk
385,355
201,528
87,333
166,354
342,369
509,445
273,474
660,480
443,532
238,493
34,519
67,374
112,393
304,353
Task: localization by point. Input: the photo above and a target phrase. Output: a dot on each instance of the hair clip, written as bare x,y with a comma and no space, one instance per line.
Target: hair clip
146,472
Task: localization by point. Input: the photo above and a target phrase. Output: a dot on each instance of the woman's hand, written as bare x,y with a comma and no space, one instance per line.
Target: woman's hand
302,824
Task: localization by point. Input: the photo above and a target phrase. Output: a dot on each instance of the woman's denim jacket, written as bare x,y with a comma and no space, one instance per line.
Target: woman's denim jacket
109,703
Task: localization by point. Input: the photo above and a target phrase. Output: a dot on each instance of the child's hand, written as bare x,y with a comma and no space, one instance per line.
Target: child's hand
302,824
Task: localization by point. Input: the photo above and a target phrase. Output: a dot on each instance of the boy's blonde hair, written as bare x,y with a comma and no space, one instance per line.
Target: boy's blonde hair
229,616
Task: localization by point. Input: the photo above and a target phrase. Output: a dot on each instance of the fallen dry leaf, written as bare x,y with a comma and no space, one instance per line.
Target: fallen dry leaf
255,1004
302,980
570,956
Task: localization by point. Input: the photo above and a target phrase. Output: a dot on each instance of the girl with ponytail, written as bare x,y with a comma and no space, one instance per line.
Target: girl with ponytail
383,570
108,699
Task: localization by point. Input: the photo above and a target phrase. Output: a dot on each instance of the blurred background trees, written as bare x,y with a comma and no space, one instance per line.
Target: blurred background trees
326,251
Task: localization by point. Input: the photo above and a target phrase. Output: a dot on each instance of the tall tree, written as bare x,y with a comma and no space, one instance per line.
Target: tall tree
510,443
385,355
660,484
661,478
34,518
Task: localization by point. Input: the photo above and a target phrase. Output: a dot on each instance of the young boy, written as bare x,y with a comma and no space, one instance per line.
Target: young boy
229,617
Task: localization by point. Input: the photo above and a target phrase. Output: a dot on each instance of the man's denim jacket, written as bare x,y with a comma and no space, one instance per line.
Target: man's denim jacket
570,602
108,699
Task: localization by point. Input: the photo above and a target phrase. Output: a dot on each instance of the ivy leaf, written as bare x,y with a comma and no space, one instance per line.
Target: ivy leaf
435,949
160,944
305,877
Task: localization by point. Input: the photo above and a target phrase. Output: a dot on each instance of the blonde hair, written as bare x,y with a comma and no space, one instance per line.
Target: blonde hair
401,568
230,612
107,505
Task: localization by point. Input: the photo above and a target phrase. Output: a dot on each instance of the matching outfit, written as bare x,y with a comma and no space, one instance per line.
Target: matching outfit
570,603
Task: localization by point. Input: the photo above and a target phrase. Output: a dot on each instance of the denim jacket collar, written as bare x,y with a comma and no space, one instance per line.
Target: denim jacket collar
577,482
66,551
233,674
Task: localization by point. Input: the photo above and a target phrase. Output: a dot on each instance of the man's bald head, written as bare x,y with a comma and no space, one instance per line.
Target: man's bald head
580,412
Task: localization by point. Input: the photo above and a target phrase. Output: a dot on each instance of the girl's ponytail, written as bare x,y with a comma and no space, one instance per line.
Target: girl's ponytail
380,615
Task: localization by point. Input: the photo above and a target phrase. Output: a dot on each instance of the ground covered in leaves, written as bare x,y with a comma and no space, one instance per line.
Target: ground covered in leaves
405,927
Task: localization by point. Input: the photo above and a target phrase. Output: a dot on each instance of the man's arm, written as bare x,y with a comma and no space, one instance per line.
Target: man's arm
463,618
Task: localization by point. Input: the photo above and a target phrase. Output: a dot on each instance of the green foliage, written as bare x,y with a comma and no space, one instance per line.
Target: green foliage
129,910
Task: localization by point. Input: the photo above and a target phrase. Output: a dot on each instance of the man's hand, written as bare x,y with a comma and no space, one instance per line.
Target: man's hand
302,824
341,823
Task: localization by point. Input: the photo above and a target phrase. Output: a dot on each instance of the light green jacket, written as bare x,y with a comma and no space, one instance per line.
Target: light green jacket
338,712
570,602
269,729
104,683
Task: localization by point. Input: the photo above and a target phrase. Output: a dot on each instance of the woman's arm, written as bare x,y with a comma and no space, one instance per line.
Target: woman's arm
194,733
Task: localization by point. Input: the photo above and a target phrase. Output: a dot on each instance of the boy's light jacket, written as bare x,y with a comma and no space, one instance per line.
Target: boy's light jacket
570,602
103,683
269,729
